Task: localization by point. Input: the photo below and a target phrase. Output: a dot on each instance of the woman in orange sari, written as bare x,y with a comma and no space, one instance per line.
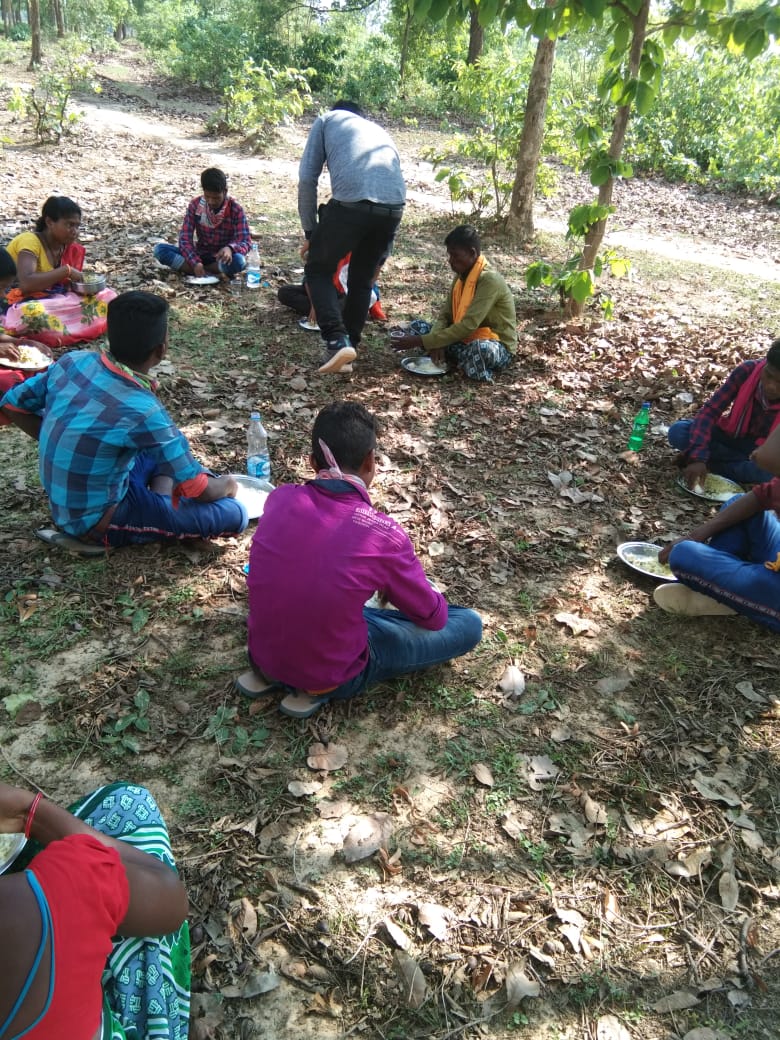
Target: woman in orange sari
48,259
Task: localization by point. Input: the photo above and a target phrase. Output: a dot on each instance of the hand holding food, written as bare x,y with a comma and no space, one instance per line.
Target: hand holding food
9,351
695,473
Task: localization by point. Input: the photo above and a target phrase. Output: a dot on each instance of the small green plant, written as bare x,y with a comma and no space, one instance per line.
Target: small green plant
567,279
258,98
135,614
46,105
230,737
120,734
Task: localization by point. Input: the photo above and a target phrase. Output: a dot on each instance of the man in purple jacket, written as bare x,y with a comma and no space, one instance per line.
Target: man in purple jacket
320,551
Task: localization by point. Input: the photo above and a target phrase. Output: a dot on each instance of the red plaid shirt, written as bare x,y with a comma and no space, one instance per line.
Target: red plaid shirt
198,242
761,419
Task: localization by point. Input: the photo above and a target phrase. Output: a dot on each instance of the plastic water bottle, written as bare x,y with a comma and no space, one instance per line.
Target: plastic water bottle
258,461
641,422
253,268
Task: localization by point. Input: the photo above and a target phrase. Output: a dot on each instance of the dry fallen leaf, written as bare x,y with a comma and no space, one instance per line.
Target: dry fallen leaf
413,984
579,626
519,986
677,1001
610,904
434,918
257,983
397,934
301,788
512,682
715,790
728,890
609,1027
594,811
482,774
368,834
327,757
541,768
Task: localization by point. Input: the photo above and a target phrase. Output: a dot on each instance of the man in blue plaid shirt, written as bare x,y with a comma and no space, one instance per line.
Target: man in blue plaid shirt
115,467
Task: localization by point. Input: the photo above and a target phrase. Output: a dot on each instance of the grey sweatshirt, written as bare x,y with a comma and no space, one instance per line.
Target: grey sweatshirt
362,161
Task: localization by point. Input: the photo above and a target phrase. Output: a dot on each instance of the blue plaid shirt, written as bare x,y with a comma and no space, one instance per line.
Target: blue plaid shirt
96,420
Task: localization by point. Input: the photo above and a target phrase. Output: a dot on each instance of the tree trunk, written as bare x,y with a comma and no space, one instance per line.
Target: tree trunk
405,47
520,219
35,30
57,5
8,15
120,33
595,236
476,36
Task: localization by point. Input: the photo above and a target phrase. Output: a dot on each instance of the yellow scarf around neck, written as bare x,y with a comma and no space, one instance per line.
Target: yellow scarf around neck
463,293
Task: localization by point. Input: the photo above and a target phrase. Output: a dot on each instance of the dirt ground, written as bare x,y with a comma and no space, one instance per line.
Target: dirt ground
595,855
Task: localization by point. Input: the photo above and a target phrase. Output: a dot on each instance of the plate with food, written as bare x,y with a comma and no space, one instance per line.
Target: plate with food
10,847
252,493
30,357
206,279
423,366
310,326
643,558
714,488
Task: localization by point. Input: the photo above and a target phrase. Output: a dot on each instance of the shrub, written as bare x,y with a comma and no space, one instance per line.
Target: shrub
45,106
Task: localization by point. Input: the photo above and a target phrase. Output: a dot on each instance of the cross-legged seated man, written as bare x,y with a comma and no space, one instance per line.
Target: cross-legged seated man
319,553
737,419
731,562
115,467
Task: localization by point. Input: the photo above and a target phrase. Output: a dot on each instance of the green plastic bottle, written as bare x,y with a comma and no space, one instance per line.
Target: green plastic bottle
641,422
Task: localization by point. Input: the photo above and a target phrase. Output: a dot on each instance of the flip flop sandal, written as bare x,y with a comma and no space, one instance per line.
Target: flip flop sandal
303,705
250,685
69,543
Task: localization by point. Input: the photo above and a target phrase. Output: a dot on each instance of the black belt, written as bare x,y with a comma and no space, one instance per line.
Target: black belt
373,207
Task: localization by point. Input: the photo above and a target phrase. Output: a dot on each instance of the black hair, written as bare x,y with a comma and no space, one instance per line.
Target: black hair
137,324
773,355
345,105
55,208
7,264
464,236
213,179
349,430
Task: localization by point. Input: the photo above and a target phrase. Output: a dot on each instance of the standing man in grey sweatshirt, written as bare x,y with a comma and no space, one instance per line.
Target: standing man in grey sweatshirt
368,196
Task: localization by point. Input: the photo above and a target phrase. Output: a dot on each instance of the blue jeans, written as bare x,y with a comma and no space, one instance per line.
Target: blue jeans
397,646
729,456
171,256
731,567
145,516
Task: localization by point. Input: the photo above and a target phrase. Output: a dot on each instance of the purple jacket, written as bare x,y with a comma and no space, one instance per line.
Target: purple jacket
319,552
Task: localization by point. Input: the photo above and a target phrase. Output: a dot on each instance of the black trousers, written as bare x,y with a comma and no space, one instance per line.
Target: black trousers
368,234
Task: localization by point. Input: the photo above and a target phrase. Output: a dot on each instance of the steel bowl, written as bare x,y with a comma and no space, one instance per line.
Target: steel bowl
90,284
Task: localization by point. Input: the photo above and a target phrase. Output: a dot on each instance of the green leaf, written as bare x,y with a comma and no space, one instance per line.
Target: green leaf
141,724
14,701
755,44
131,744
139,619
644,97
141,700
581,286
600,175
595,8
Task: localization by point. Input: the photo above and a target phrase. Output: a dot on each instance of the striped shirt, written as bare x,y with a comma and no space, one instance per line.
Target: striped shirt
96,419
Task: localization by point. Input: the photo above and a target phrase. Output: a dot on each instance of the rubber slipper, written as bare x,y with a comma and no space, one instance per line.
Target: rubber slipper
69,543
251,685
679,599
302,705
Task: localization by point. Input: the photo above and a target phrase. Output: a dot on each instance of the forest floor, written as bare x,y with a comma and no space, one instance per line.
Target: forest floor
595,857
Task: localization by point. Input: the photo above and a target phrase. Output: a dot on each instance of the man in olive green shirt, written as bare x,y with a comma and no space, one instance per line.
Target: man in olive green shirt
477,327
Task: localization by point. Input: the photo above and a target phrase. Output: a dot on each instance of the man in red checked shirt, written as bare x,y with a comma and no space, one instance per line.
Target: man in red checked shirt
736,420
215,236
